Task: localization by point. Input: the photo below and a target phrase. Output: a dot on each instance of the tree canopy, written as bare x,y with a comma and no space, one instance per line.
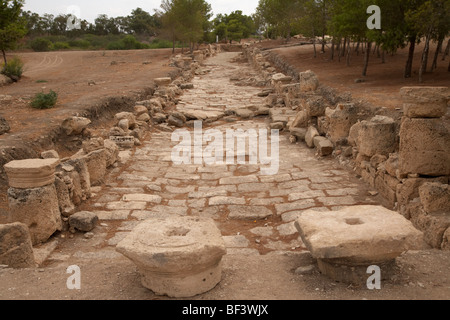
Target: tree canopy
12,25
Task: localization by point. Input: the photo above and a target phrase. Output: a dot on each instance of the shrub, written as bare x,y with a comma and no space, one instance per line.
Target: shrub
41,45
61,45
116,45
13,69
82,44
44,100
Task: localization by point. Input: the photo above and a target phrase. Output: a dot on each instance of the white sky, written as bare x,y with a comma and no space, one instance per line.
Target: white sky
90,9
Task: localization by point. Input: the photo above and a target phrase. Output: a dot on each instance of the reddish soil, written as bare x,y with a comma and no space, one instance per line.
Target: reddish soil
383,81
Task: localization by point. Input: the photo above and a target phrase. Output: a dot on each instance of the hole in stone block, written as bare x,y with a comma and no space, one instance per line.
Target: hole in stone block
177,232
354,221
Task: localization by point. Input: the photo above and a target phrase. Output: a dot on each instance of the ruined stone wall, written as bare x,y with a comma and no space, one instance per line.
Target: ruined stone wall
405,158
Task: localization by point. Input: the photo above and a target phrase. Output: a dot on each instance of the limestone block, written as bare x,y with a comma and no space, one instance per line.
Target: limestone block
310,135
322,125
324,146
4,126
96,164
435,198
281,78
38,209
424,147
377,136
50,154
31,173
409,188
389,194
425,102
299,133
161,82
391,164
75,125
16,250
446,240
353,136
64,200
126,116
308,81
93,145
357,235
178,257
83,221
112,152
301,120
341,120
80,175
316,106
139,110
144,117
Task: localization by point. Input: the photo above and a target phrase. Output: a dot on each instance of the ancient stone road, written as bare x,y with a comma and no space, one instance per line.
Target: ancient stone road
254,212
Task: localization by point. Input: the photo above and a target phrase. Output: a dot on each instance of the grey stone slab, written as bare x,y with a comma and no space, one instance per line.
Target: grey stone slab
249,212
113,215
293,206
238,241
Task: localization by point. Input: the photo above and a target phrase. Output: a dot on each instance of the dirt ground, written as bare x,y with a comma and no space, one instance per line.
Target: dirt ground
420,274
383,82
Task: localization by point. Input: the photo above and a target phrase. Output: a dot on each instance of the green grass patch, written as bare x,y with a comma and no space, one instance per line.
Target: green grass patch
44,100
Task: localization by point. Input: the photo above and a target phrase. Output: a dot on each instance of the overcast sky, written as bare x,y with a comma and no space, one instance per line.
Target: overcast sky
90,9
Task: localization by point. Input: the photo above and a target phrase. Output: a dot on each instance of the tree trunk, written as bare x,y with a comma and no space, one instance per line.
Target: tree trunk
447,50
366,58
383,56
338,49
357,48
436,55
314,43
423,65
323,41
332,49
4,58
409,62
349,50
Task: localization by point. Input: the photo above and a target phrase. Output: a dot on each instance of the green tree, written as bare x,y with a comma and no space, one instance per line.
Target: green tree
12,25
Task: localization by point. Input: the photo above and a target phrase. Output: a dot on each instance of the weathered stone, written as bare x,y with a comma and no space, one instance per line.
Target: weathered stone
277,126
357,235
139,110
124,124
4,80
341,120
112,152
424,147
81,177
118,132
244,113
31,173
391,164
301,120
50,154
435,198
446,240
142,198
38,209
388,193
316,106
299,133
308,81
16,250
64,201
159,117
75,125
96,164
93,144
145,117
249,213
221,200
425,102
162,82
377,136
325,147
84,221
433,226
187,86
310,135
126,116
175,121
353,136
279,77
4,126
178,257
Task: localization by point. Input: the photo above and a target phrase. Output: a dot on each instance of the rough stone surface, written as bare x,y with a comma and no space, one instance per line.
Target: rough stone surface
126,116
50,154
425,102
310,135
301,120
377,136
161,82
112,152
38,209
83,221
31,173
96,163
341,120
308,81
75,125
424,147
435,198
325,147
180,257
358,234
65,203
4,126
249,213
16,250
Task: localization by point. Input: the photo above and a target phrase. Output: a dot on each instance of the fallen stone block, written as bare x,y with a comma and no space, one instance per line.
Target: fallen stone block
308,81
96,164
301,120
324,147
179,257
161,82
139,110
311,133
341,120
83,221
125,116
16,250
358,236
93,144
75,125
50,154
425,102
31,173
64,201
